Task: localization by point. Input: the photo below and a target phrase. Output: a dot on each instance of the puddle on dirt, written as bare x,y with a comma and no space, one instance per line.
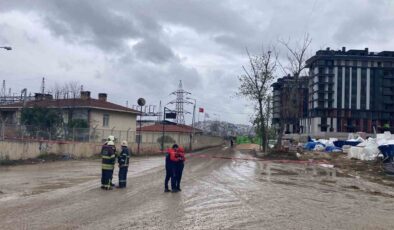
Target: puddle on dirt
284,182
378,193
59,184
298,171
352,187
328,181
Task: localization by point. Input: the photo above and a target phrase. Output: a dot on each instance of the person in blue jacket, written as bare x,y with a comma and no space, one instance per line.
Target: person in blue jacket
123,161
108,154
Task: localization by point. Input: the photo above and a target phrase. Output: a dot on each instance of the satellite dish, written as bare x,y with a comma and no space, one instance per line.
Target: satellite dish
141,101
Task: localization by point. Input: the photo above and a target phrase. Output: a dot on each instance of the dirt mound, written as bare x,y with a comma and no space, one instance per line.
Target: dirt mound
248,146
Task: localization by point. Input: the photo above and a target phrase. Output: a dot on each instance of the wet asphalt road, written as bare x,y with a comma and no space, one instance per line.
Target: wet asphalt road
217,194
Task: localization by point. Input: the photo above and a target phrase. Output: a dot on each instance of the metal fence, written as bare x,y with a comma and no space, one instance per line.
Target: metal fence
150,141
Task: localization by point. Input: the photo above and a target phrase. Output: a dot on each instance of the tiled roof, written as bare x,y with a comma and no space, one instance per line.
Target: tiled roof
72,103
169,128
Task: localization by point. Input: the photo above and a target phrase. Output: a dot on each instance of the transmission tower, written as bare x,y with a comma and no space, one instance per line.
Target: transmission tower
179,101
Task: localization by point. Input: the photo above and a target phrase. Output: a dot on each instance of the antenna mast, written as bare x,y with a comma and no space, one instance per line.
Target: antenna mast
43,85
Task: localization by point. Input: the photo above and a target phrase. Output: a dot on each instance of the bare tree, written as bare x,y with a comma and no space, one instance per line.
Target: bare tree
68,90
290,111
296,55
71,89
74,88
255,84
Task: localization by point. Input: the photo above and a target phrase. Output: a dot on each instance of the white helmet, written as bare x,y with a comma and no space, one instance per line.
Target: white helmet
110,143
124,143
111,138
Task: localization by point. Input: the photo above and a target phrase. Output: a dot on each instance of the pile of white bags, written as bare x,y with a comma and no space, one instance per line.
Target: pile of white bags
368,150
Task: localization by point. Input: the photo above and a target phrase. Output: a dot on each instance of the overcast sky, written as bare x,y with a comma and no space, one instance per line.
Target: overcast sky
142,48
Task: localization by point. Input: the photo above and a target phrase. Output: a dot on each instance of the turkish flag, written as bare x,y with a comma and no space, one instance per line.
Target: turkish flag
201,110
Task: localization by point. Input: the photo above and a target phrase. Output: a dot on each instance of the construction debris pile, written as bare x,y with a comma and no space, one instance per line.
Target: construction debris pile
368,149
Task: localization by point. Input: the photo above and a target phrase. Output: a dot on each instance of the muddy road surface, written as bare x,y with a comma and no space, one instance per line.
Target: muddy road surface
220,191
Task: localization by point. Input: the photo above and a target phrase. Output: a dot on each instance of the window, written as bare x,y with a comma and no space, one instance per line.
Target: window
105,120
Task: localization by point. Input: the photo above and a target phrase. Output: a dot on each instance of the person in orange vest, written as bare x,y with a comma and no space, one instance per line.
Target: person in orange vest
170,168
180,154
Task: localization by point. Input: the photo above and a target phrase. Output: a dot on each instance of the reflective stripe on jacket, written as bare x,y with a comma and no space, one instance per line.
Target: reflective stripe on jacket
108,157
124,156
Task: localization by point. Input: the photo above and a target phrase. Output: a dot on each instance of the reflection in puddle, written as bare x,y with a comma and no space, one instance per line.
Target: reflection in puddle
270,170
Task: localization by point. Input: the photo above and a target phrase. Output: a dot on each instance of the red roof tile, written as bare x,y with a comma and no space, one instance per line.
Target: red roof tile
169,128
72,103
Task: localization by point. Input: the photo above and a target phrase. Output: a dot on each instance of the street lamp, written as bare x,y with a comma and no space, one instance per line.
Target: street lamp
194,113
141,102
6,47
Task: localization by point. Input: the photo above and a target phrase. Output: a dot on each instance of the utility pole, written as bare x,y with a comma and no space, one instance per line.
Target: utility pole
193,121
141,102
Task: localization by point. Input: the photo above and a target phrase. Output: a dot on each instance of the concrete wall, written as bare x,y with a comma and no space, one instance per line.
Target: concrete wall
121,121
17,150
21,150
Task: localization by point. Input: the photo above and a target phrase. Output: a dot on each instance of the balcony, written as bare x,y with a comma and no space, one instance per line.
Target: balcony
388,92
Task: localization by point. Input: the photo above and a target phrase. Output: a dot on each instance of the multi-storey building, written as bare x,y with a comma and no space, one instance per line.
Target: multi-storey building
350,91
283,101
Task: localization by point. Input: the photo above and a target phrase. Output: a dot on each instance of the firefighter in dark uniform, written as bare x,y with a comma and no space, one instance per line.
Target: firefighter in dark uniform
170,169
180,154
108,152
123,160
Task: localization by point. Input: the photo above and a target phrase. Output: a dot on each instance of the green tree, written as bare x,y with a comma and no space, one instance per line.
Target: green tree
255,84
78,123
42,119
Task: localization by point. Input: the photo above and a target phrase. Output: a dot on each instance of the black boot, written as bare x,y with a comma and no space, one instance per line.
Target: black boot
167,190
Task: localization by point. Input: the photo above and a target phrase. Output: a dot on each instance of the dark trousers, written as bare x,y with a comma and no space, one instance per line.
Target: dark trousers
123,176
168,176
178,173
106,177
174,177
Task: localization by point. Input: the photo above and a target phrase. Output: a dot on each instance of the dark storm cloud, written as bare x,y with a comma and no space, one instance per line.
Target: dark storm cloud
108,25
92,21
153,50
96,22
203,16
